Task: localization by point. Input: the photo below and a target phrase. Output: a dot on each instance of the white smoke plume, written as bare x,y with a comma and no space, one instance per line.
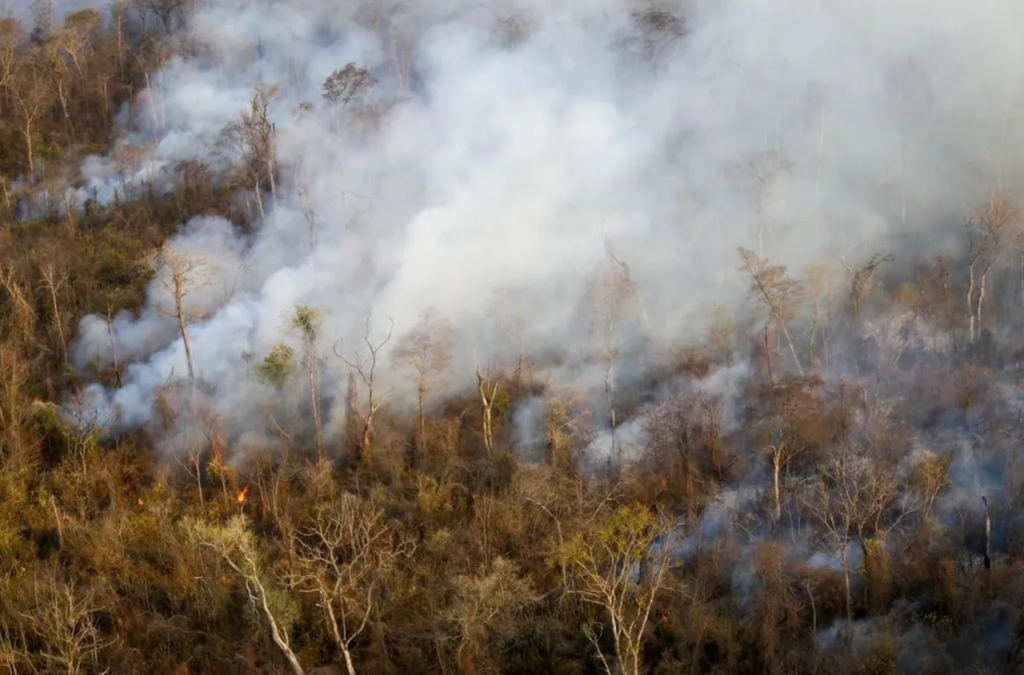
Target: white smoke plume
506,164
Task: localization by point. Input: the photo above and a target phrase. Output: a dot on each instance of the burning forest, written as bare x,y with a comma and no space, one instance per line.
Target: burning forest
614,336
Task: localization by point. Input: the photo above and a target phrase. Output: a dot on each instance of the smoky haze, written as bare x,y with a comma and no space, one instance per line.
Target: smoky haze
517,142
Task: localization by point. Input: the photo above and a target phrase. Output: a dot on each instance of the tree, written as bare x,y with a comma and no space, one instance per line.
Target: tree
860,279
427,350
778,292
30,90
486,602
851,498
991,229
165,10
64,618
344,551
759,173
611,295
363,368
308,321
344,86
252,138
181,272
235,545
488,390
620,564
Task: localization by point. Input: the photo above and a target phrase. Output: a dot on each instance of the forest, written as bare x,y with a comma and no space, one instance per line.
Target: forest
608,337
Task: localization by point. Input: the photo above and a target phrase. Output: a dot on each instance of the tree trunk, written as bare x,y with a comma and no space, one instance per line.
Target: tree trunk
421,393
981,300
183,326
988,536
970,302
315,406
346,653
28,146
776,466
275,632
846,580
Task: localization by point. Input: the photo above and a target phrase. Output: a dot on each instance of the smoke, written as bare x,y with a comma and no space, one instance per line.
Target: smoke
512,141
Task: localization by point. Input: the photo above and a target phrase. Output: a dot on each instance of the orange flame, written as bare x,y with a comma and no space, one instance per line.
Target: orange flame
140,501
242,495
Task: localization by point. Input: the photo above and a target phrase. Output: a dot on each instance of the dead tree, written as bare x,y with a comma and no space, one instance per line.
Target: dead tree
252,138
991,229
362,368
488,392
778,292
759,173
427,350
181,273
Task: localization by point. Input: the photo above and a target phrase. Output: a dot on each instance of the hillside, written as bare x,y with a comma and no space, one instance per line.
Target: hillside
598,337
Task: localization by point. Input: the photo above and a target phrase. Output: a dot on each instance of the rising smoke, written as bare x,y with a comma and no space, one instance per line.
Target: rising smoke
517,138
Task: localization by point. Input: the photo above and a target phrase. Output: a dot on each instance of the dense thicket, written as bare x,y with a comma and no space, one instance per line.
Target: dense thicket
813,521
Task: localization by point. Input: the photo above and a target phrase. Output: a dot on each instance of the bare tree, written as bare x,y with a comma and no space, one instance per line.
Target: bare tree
30,90
488,390
427,350
53,281
759,173
860,278
252,138
344,551
611,295
64,619
362,368
853,498
778,292
181,273
991,229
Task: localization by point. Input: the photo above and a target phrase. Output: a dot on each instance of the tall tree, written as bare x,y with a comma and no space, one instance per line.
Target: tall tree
181,273
252,138
427,350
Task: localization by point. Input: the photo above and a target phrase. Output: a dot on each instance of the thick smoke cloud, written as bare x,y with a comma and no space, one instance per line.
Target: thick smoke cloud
507,164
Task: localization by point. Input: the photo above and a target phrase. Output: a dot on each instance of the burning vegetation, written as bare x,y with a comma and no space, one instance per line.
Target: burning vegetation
438,343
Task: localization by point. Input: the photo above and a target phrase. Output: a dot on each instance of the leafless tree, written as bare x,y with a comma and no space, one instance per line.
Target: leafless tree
427,350
488,390
362,367
853,497
54,280
181,272
991,229
64,619
252,138
344,551
759,173
778,292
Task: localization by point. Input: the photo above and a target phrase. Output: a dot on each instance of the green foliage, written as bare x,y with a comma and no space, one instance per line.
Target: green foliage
53,434
307,320
47,151
277,365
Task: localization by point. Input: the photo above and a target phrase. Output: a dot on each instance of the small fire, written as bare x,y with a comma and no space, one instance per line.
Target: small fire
243,493
140,501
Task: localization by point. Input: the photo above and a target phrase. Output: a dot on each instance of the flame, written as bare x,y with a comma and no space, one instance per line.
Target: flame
243,493
140,501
